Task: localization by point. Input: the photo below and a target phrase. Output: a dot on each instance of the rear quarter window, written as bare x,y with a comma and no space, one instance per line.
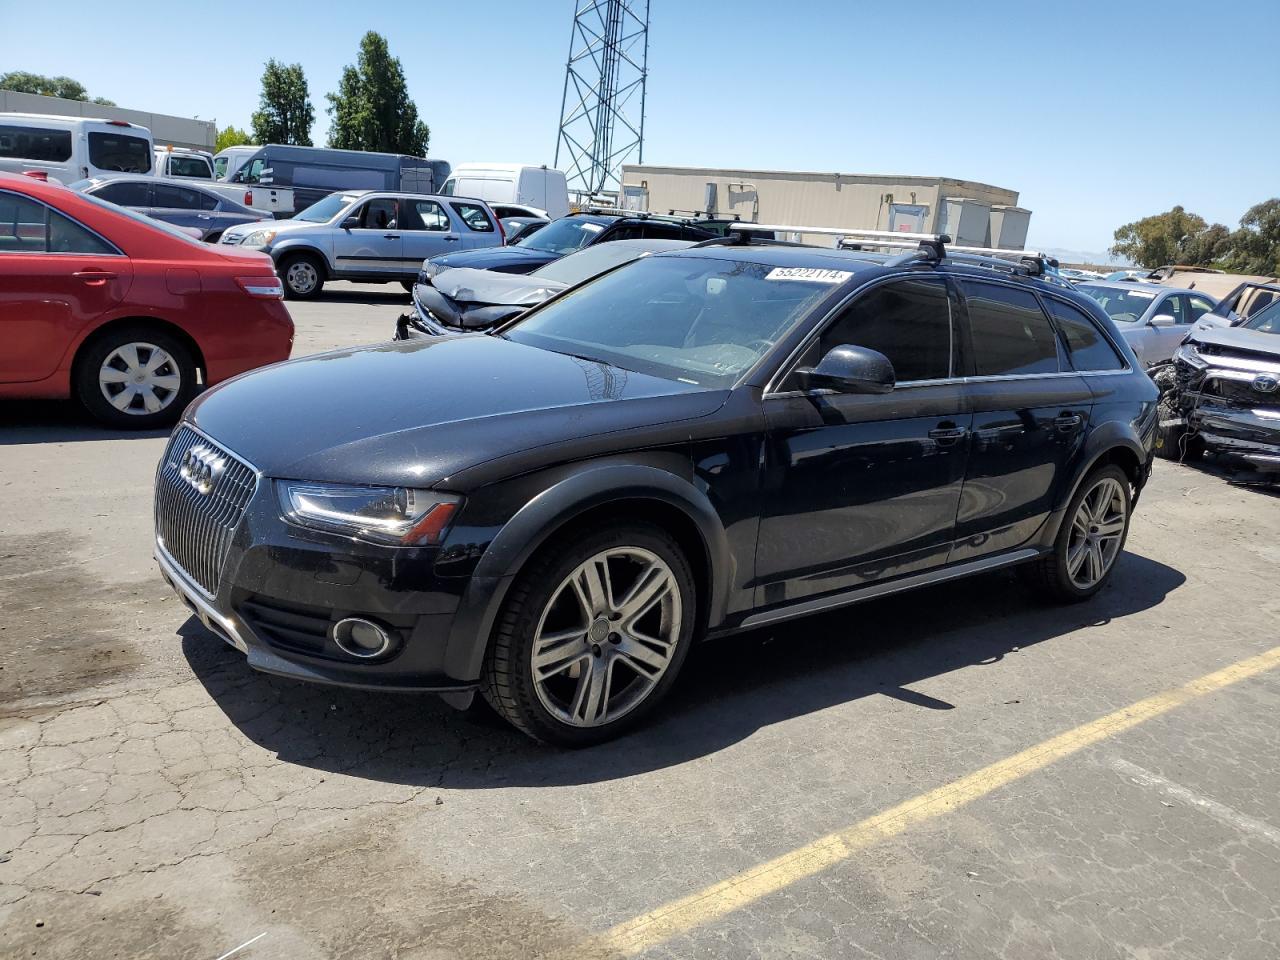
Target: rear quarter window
474,217
1088,349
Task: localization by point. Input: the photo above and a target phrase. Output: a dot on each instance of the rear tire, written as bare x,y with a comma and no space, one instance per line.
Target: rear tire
302,275
605,655
1093,533
136,377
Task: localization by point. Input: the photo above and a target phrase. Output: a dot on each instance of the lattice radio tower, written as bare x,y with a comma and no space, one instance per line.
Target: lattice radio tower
602,109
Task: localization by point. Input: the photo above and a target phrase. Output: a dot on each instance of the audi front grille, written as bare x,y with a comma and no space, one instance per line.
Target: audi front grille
202,490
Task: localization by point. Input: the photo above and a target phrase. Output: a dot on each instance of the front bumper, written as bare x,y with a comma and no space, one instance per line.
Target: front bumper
279,591
1251,434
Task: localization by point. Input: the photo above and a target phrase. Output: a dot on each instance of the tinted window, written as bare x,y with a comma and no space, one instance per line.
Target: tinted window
127,194
1010,333
1265,321
67,236
207,200
119,152
1253,300
1087,346
188,167
252,172
909,321
432,215
474,217
22,225
32,143
180,198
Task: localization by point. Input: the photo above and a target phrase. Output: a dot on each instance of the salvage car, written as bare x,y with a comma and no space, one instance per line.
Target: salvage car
179,202
464,300
1222,393
568,235
126,314
701,442
369,236
1152,319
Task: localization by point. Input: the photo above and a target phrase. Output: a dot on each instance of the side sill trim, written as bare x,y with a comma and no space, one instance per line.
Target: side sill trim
858,594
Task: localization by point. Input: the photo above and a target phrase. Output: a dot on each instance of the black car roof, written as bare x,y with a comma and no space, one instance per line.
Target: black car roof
786,256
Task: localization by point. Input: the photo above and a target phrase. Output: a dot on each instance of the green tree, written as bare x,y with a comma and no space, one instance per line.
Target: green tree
230,137
284,113
372,109
1255,247
20,81
1173,237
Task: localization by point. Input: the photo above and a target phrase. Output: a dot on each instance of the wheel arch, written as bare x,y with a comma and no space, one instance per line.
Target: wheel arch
290,248
1111,445
599,494
157,323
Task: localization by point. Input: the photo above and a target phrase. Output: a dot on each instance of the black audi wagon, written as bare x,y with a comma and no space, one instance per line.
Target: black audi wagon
697,443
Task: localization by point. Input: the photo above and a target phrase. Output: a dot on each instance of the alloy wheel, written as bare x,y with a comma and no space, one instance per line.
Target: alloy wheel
1097,530
139,378
606,637
302,277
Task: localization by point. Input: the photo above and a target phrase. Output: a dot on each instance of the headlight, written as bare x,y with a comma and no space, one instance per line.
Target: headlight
259,238
393,515
1188,354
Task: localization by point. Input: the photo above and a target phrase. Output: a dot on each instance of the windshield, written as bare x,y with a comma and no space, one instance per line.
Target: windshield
1123,306
695,320
562,236
1266,320
325,210
586,264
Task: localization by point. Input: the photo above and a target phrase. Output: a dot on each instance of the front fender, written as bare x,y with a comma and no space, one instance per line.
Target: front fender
548,512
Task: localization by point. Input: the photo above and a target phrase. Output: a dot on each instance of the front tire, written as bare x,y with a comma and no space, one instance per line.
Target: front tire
1093,533
303,276
136,377
592,635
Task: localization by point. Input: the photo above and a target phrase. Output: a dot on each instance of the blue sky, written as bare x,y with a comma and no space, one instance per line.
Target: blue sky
1098,113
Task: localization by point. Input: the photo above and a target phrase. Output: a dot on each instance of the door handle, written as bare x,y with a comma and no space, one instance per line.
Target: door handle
451,239
94,278
947,433
391,236
1067,422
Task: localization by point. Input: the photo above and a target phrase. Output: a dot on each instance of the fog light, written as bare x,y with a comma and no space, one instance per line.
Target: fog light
361,638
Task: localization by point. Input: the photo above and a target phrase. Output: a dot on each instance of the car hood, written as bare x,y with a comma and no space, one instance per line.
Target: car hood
504,259
467,285
419,413
1238,338
279,226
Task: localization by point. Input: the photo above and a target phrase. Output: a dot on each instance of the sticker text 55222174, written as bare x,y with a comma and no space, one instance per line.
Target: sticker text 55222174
808,274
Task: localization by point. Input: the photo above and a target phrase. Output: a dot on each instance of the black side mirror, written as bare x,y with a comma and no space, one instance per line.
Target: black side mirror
847,369
351,223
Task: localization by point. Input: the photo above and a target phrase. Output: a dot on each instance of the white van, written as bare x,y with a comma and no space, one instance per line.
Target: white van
510,183
227,162
184,162
73,148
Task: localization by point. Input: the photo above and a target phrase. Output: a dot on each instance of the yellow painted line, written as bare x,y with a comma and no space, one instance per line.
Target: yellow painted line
706,906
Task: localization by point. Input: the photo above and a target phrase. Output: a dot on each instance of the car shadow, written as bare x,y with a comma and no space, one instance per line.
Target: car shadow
1237,472
391,293
58,421
730,688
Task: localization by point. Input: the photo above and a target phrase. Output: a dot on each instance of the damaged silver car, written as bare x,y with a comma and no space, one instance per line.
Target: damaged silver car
457,300
1221,394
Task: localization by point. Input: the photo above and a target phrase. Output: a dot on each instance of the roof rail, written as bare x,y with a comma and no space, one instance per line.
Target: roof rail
931,246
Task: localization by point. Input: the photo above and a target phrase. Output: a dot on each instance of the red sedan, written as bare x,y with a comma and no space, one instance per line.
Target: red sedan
127,315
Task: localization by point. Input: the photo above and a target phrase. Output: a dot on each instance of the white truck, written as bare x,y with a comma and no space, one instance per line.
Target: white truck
184,162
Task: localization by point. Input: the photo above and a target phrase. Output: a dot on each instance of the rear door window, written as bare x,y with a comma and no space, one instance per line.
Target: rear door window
119,152
175,198
1086,346
474,217
34,143
1010,334
128,194
909,321
431,216
22,225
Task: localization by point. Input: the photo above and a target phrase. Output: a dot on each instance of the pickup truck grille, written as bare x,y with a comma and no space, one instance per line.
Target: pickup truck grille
202,490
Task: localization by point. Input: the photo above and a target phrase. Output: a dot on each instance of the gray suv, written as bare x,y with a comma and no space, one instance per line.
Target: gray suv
369,236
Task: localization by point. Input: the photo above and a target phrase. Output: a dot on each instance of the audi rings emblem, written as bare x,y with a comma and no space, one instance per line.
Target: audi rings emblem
201,467
1266,383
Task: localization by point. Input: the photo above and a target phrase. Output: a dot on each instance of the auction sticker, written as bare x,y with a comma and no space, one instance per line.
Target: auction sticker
808,274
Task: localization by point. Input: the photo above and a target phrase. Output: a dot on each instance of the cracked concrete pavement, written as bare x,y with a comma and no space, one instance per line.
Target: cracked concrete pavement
159,799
